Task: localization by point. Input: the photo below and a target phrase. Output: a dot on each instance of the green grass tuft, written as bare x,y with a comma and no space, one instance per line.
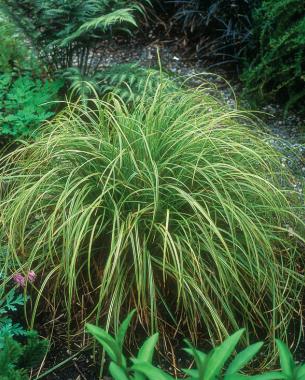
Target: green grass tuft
175,208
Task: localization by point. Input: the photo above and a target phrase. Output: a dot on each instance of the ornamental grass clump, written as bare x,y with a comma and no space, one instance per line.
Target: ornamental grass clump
174,207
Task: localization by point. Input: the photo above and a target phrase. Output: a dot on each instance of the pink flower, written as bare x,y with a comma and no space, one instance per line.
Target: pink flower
32,276
19,279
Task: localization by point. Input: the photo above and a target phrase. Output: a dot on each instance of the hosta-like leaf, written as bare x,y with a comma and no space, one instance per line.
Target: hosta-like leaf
146,352
286,359
301,372
151,372
123,329
107,341
243,358
221,355
117,372
201,359
269,376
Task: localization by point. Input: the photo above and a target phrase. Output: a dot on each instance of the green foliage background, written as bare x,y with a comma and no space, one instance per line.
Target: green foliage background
277,68
67,33
14,52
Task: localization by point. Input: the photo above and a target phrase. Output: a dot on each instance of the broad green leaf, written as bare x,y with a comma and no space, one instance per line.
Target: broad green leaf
151,372
221,354
117,372
200,357
138,376
123,329
266,376
191,372
301,372
146,352
286,359
243,358
269,376
106,340
235,376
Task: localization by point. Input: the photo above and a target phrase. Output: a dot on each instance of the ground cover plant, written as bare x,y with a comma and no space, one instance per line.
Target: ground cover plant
174,207
25,103
20,349
277,68
211,366
9,303
26,95
17,359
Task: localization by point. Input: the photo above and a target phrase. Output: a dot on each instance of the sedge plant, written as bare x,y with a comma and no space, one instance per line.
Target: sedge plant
177,207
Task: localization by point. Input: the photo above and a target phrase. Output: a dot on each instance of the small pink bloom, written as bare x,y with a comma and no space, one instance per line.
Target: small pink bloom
19,279
32,276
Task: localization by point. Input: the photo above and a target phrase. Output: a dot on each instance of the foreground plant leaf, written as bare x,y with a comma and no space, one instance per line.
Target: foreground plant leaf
243,358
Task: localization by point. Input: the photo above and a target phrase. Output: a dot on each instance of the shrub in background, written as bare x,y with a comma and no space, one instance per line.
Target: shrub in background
222,28
67,33
67,36
277,71
14,53
211,366
24,104
174,207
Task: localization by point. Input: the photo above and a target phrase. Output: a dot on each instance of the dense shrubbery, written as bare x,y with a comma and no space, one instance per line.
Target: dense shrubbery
278,69
14,53
174,207
63,35
66,34
25,99
267,36
222,28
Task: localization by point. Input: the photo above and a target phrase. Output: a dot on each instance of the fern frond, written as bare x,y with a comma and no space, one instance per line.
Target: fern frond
130,81
103,23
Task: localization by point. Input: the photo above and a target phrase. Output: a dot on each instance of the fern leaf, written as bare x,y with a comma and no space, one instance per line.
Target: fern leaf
104,23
